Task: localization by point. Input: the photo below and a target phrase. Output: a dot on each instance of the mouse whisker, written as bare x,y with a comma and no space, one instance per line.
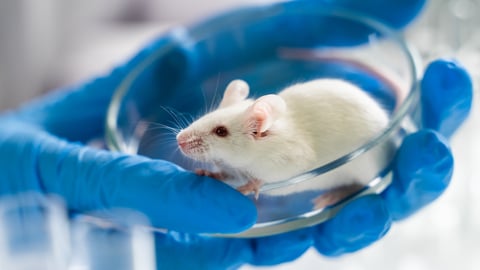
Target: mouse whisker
157,127
178,119
214,101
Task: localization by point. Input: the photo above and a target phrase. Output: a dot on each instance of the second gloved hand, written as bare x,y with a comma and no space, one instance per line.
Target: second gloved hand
422,171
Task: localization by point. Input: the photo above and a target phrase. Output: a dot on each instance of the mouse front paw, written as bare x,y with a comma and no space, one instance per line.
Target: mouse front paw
252,185
216,175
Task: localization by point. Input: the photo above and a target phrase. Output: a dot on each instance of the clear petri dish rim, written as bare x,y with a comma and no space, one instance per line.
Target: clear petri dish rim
204,29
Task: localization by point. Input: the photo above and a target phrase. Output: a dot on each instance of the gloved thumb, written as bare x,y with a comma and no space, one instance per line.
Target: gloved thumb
90,179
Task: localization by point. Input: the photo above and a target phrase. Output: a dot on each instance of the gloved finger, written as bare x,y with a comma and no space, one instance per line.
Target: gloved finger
446,98
357,225
90,179
276,249
422,170
396,13
187,251
249,35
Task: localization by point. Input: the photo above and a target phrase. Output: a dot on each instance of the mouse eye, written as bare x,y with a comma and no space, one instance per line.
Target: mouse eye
221,131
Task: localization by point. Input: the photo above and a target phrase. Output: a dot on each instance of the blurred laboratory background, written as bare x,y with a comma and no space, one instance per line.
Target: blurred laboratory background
52,43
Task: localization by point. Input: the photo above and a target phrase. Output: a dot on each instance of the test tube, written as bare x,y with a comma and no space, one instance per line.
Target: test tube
34,233
118,239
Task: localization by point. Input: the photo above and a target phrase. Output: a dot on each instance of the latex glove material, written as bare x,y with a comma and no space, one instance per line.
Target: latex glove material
445,112
396,13
184,251
42,150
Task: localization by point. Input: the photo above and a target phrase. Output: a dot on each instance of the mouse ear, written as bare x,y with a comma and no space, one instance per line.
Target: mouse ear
264,112
236,91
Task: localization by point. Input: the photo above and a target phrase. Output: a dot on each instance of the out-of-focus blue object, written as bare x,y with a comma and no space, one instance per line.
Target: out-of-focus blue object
34,233
119,239
42,149
396,13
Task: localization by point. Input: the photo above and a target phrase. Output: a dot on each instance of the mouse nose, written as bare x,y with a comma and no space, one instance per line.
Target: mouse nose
189,143
182,144
181,140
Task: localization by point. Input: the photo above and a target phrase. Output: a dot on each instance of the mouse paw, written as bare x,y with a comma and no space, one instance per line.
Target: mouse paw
216,175
334,196
252,185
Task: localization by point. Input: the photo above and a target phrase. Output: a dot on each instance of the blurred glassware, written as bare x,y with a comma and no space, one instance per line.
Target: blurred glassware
117,239
34,233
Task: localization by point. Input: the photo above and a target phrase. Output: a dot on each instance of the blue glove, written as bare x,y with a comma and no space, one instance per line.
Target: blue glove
422,170
422,167
43,149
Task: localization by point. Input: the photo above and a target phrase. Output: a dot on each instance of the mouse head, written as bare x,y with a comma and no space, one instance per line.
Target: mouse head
234,132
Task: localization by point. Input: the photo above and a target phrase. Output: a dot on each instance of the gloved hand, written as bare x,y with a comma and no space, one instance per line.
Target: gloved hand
422,171
43,149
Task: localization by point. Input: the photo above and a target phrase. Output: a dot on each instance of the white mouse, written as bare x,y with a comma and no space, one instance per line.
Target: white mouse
276,137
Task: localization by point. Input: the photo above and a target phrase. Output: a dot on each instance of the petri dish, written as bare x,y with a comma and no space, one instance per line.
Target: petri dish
270,47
